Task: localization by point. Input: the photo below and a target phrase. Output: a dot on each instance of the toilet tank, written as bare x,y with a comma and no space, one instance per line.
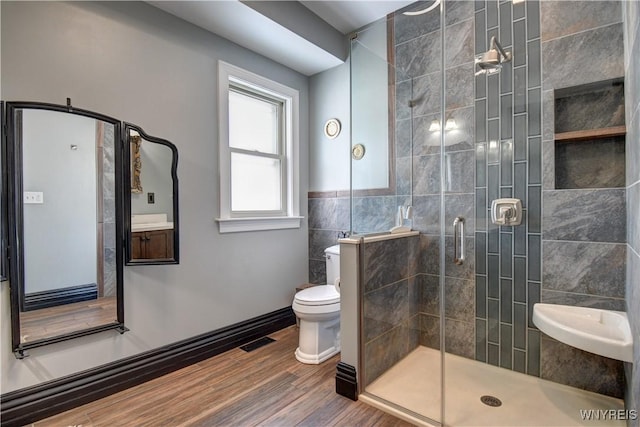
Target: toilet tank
332,255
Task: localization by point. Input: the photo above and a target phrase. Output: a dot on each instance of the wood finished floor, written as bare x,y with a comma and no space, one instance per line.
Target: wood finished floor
265,387
62,319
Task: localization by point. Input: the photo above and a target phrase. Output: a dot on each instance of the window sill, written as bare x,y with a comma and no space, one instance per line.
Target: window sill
237,225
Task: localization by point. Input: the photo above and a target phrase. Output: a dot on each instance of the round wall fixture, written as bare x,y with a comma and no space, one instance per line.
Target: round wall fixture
332,128
357,152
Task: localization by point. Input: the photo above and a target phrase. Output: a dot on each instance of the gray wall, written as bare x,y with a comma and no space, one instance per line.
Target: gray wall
329,169
59,244
370,108
103,56
631,12
329,95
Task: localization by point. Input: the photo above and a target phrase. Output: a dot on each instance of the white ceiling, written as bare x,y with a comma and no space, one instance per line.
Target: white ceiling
247,27
351,15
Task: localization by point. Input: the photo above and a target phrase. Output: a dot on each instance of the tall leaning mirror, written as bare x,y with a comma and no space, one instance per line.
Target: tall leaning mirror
65,233
151,210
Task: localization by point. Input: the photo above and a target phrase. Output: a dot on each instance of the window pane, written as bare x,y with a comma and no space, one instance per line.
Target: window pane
255,183
253,123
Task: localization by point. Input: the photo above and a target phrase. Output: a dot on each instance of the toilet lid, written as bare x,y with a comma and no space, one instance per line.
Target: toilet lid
318,295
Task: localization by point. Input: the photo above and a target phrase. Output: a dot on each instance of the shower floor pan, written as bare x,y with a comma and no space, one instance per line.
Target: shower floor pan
414,384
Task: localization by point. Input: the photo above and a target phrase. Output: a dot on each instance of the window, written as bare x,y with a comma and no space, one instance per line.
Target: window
258,148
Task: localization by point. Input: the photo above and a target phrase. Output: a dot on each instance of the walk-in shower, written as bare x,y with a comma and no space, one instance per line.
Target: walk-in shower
443,342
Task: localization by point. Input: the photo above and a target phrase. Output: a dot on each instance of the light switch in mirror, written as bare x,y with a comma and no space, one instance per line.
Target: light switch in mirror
151,210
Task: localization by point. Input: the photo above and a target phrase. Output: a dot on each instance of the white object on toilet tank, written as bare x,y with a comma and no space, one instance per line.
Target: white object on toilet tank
332,254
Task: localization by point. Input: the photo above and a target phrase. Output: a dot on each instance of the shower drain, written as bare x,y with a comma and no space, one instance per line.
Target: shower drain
491,401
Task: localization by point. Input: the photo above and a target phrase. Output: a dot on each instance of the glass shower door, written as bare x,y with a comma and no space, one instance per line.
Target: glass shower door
491,137
396,91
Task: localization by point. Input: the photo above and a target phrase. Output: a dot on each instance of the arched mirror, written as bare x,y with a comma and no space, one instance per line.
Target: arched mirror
64,171
151,210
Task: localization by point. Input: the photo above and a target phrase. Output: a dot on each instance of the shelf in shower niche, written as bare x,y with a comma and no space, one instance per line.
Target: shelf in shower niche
590,134
603,332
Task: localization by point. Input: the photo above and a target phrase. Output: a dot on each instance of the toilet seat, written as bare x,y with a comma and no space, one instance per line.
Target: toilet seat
317,295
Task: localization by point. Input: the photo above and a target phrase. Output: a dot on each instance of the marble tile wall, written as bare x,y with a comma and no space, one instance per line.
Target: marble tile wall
590,108
596,163
390,324
631,13
109,210
583,231
328,217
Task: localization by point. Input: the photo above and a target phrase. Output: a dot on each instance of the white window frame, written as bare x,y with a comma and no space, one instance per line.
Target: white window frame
229,222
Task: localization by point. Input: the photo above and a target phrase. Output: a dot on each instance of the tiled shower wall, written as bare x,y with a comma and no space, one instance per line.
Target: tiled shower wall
583,230
631,12
389,303
508,164
328,217
561,253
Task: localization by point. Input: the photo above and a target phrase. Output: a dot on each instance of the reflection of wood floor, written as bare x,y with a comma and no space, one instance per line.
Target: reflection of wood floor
52,321
266,387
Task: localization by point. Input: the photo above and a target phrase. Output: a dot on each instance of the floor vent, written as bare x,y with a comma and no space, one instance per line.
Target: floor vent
491,401
257,344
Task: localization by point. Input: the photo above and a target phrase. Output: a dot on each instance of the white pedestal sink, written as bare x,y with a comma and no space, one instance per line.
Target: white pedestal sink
603,332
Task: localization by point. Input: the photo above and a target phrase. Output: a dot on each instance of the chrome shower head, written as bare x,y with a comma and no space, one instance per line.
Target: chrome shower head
433,5
490,62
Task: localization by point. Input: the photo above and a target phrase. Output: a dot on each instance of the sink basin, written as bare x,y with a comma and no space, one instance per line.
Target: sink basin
603,332
152,226
150,222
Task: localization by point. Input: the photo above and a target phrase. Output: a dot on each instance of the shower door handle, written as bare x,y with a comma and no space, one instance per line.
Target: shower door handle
458,241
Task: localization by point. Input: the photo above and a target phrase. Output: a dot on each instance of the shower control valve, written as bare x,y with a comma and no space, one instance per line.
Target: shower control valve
506,212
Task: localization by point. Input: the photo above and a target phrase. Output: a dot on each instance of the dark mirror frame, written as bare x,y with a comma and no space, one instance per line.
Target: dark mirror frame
127,199
12,162
3,199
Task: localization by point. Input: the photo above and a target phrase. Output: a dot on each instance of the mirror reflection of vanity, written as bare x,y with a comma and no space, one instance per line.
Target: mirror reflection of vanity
72,218
151,216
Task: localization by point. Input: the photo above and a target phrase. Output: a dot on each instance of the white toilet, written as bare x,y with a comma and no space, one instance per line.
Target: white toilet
318,309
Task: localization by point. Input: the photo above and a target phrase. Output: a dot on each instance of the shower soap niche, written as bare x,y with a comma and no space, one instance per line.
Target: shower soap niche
590,136
603,332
